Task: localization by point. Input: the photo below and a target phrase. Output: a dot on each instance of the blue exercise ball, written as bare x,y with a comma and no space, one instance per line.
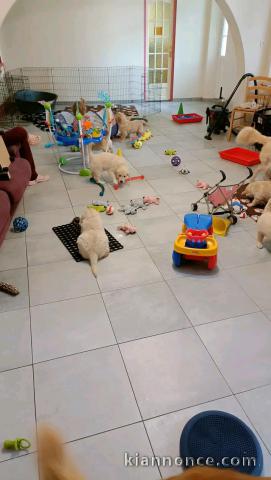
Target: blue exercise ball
20,224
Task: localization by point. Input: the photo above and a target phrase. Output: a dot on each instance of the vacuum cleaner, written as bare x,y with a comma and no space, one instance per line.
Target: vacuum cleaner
217,117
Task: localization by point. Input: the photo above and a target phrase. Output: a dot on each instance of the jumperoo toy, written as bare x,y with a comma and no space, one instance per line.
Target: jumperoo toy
78,133
196,242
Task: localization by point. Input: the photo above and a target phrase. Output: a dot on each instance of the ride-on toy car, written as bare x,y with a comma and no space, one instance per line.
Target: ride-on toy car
196,242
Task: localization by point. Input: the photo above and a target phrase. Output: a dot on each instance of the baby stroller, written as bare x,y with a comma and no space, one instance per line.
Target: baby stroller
219,198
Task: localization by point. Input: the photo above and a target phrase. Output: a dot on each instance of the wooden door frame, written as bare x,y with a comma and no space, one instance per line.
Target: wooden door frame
174,15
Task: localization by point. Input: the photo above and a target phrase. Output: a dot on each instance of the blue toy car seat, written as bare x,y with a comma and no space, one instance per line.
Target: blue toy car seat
197,221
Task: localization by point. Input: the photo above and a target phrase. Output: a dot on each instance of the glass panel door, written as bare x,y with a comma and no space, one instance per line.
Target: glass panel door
160,31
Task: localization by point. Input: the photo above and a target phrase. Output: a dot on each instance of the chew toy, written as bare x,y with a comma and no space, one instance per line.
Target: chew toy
130,179
17,444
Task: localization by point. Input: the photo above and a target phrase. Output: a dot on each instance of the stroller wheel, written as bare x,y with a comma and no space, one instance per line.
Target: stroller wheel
194,207
233,219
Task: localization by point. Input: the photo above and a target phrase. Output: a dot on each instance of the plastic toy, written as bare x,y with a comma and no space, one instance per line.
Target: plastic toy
17,444
175,161
187,118
20,224
109,210
219,435
92,180
170,152
180,109
221,225
128,229
196,242
85,172
98,208
184,171
148,200
137,144
130,179
146,136
74,148
241,156
202,185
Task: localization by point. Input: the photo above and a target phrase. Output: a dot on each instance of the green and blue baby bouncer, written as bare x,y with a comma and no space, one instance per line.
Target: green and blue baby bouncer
65,130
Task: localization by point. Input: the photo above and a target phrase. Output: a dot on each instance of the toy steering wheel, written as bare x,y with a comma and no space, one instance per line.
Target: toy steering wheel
196,235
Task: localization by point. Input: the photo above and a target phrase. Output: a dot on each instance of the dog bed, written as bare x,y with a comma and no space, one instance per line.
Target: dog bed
27,101
220,435
69,233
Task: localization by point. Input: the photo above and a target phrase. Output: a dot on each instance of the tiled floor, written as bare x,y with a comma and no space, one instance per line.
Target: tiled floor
120,364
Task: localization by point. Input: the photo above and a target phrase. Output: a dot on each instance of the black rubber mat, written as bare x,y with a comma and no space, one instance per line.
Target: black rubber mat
69,233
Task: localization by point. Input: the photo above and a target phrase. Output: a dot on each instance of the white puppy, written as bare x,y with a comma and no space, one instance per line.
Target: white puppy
114,165
264,226
250,136
93,242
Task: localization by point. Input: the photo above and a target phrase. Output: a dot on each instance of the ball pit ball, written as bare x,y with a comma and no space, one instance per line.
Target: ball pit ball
20,224
175,161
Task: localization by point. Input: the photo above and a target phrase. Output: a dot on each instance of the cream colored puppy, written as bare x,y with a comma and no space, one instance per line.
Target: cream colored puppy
93,242
249,136
264,226
259,192
114,165
127,126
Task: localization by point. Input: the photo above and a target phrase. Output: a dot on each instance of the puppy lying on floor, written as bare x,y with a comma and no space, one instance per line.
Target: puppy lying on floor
249,136
127,126
93,243
259,192
55,464
114,165
264,226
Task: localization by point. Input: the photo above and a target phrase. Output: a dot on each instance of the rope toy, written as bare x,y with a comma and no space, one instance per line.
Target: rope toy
17,444
92,180
130,179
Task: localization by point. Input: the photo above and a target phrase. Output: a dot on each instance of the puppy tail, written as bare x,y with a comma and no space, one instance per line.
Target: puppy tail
249,136
53,461
93,259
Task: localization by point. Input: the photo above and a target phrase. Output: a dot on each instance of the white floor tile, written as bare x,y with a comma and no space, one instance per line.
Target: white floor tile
60,281
243,368
164,378
81,323
144,311
17,417
78,394
15,340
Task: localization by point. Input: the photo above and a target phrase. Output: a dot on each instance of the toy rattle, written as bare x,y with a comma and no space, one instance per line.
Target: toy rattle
17,444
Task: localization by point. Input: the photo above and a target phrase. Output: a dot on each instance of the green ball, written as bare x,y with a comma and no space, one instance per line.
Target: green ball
79,116
85,172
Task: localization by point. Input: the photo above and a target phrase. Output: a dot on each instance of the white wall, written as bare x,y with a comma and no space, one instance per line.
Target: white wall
190,47
73,33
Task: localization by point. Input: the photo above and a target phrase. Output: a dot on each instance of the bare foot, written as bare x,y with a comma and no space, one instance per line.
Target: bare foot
33,139
39,179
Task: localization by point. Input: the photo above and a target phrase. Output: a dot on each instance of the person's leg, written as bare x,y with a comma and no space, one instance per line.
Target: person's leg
19,136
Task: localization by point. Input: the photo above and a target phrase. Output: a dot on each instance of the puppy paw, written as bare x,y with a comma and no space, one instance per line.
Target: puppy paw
259,245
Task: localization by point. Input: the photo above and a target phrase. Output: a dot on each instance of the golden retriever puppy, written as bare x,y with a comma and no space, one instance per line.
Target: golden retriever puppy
80,106
264,226
92,243
55,463
114,165
259,192
249,136
127,126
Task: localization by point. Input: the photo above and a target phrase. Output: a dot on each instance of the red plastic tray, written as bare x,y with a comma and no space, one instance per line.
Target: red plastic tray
187,118
241,155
